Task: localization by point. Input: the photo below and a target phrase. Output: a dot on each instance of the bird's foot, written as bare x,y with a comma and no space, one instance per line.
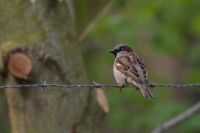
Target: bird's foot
120,87
137,88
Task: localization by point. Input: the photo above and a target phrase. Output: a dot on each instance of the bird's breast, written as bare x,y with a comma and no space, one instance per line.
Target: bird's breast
119,77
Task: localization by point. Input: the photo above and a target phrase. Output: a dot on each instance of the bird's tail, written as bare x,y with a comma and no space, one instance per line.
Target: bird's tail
146,91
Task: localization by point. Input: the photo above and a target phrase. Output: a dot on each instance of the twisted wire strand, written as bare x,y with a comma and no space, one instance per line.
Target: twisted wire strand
94,85
175,85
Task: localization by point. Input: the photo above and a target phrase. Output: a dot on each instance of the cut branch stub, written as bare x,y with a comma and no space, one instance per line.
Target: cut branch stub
19,65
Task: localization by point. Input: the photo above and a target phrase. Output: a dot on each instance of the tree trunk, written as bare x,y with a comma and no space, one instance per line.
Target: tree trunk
46,29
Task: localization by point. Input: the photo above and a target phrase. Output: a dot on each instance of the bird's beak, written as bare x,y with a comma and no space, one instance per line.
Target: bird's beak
112,51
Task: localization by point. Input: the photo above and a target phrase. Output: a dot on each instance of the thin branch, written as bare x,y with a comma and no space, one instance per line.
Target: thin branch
178,119
92,23
70,6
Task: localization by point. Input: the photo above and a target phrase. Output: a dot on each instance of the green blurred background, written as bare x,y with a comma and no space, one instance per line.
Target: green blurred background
166,35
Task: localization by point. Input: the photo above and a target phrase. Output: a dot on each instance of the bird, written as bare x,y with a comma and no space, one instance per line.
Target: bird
129,69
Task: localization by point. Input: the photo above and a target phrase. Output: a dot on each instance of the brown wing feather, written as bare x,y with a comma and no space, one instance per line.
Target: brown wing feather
140,61
124,65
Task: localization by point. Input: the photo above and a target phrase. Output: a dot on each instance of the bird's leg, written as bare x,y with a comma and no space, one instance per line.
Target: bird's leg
120,87
137,88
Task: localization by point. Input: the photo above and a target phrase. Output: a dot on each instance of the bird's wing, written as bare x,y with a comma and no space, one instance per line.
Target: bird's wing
131,66
142,66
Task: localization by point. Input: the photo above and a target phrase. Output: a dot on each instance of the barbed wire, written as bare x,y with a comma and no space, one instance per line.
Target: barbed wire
94,85
176,85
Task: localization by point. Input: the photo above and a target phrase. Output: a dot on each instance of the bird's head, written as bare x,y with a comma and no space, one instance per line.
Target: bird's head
121,49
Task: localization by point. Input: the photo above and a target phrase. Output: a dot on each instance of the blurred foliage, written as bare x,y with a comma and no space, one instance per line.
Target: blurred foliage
166,35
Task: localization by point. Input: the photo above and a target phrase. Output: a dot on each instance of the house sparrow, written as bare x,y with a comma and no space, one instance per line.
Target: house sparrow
129,69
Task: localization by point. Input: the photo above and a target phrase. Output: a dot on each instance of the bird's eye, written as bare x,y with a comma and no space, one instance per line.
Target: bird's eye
121,48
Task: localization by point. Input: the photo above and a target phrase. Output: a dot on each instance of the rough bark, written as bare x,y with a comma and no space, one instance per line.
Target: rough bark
45,28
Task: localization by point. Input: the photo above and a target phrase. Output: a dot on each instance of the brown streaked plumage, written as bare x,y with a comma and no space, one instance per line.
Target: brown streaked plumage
128,68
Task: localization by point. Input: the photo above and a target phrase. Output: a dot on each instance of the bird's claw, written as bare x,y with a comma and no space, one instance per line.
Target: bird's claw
120,87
